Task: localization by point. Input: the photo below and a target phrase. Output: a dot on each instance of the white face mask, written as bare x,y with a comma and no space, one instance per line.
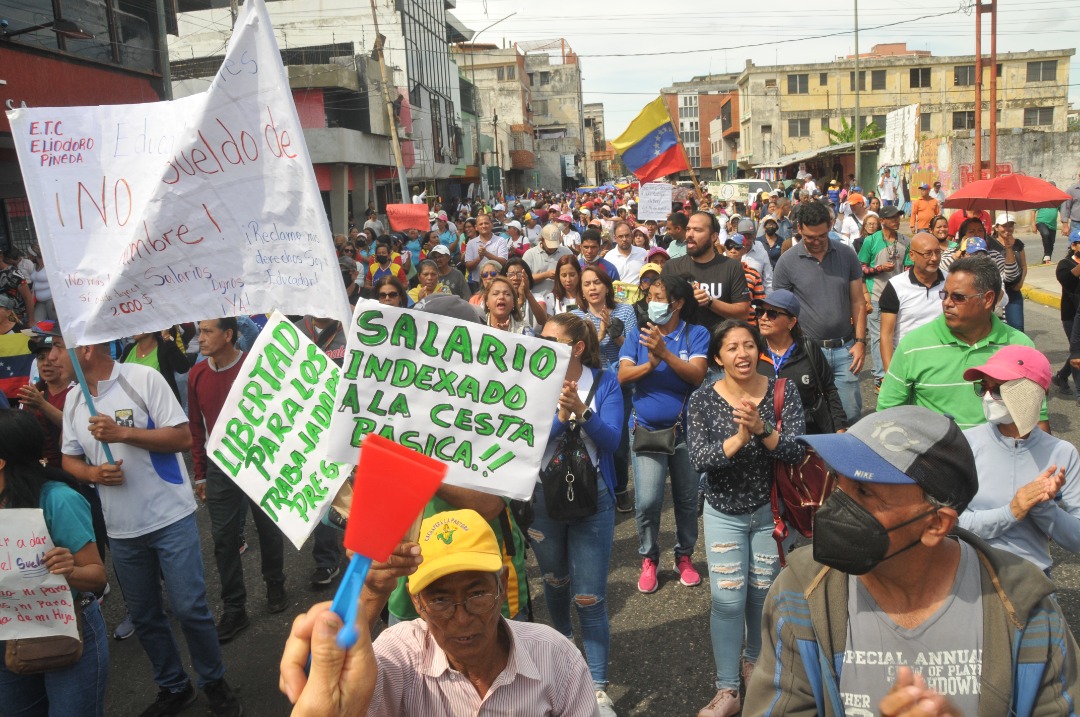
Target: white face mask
996,412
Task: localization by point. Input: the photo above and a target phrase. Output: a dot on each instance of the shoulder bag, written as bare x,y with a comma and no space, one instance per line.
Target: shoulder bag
34,655
799,489
570,479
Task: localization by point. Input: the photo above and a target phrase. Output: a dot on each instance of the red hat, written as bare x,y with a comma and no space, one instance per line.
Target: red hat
1013,362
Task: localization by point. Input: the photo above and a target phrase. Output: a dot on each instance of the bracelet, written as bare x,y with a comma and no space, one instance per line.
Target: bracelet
860,341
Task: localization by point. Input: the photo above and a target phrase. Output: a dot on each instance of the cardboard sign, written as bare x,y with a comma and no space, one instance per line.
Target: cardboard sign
270,437
203,207
654,201
33,601
408,216
479,399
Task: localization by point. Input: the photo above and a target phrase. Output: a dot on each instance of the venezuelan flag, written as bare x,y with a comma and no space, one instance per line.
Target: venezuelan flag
650,145
15,362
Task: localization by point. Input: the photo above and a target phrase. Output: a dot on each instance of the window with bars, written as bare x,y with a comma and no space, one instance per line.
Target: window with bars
799,127
862,80
964,75
877,80
963,120
924,121
823,79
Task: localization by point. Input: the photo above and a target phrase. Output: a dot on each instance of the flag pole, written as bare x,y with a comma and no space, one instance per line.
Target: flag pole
678,139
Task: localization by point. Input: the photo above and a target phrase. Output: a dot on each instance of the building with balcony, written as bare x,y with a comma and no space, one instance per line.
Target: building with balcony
787,111
599,157
554,77
339,92
79,52
694,104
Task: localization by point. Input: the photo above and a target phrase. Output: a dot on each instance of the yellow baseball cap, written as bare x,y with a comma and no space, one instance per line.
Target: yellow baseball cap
454,542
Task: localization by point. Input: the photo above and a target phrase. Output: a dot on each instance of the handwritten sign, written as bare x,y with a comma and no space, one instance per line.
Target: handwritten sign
199,208
269,436
654,201
476,398
408,216
33,601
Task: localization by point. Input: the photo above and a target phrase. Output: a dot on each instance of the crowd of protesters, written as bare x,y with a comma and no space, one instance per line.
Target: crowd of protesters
705,349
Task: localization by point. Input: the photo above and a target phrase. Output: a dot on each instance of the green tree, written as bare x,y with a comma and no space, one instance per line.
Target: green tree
846,133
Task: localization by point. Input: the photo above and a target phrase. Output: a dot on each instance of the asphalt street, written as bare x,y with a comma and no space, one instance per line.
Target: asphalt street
661,657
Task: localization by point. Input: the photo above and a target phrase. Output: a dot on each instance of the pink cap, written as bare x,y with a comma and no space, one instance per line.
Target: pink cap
1013,362
566,218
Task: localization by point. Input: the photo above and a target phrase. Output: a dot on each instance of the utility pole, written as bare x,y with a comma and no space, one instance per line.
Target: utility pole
395,144
478,105
858,87
976,163
498,157
163,51
993,88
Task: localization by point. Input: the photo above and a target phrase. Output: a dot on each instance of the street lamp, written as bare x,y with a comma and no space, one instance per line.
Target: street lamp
472,78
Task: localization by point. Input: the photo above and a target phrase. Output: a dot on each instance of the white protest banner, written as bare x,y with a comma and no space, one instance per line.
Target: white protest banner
654,201
268,438
203,207
33,601
477,398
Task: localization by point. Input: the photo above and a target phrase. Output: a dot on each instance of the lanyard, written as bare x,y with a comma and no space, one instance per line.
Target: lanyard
779,359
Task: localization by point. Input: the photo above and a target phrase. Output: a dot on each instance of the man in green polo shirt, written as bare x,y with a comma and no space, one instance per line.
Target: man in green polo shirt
928,366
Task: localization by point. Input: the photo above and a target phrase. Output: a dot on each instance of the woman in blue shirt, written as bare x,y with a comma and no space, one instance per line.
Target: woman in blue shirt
574,556
665,361
78,690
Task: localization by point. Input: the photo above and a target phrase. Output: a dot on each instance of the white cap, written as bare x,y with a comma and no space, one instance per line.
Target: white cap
1004,218
498,208
515,224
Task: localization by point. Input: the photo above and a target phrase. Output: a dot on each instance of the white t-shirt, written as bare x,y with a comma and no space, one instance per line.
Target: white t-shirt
887,185
629,267
571,239
850,230
156,491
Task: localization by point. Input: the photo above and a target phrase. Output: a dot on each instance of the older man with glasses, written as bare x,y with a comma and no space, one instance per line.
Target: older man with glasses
928,365
462,657
910,300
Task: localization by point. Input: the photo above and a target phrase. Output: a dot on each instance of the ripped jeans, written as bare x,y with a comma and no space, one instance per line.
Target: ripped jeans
573,559
743,563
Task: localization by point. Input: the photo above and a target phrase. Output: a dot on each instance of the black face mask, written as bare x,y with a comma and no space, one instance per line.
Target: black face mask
382,259
848,538
771,231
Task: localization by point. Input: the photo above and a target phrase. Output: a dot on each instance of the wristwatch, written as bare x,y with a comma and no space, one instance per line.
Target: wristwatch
768,430
860,341
587,416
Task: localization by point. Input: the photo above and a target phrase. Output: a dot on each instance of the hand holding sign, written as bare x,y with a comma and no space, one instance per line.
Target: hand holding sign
391,487
35,599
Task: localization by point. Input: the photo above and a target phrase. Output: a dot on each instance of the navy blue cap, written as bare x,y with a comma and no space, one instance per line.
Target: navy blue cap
781,299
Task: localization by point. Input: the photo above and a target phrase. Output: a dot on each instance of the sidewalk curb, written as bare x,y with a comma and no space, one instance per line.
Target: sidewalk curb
1041,297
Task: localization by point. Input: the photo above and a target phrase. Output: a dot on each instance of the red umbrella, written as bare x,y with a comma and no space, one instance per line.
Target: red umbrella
1012,192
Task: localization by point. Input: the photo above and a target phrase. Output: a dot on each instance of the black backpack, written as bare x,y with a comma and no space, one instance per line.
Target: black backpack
570,479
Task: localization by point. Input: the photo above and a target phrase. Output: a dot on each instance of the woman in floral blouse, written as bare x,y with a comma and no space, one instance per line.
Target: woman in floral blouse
732,438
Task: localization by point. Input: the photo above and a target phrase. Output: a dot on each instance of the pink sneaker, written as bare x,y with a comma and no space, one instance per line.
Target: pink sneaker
687,575
725,704
647,582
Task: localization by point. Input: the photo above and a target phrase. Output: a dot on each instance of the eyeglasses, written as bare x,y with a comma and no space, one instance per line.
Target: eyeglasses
932,252
772,314
956,298
388,294
981,389
730,246
444,608
568,342
646,280
489,274
515,274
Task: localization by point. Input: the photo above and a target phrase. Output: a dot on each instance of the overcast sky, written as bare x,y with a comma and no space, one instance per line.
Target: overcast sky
717,40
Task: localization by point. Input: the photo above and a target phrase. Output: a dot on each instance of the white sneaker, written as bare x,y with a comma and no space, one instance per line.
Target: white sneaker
726,703
605,705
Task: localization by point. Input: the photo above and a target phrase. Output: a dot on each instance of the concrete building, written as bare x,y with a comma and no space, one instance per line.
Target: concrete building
786,111
502,119
598,156
695,104
338,90
53,60
554,76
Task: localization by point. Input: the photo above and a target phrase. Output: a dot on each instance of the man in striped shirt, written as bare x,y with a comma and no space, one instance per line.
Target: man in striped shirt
928,366
462,658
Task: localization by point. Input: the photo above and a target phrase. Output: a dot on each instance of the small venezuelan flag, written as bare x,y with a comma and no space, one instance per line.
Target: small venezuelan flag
650,145
15,362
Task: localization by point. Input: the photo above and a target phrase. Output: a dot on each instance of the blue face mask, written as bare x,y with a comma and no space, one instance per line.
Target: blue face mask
660,312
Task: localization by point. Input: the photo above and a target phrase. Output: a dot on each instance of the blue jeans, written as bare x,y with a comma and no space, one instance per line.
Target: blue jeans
743,563
574,559
650,471
172,552
1014,310
873,346
76,691
847,383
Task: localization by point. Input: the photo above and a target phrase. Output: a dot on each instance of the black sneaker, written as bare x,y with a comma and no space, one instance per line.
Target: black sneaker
276,599
230,625
223,701
170,703
1062,382
325,576
624,503
243,545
